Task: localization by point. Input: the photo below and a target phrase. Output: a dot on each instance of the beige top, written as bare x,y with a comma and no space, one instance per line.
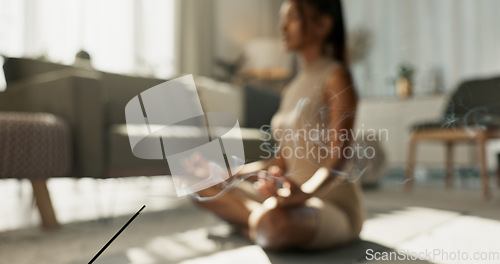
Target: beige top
299,127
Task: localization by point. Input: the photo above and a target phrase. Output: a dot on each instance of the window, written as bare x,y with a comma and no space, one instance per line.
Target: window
124,36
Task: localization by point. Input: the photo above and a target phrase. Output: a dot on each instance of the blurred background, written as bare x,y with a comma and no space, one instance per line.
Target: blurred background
426,71
444,40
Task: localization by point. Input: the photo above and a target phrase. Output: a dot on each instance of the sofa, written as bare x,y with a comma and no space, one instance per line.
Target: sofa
93,104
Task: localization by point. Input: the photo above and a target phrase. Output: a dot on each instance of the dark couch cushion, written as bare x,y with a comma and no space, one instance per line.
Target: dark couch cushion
16,69
119,90
260,106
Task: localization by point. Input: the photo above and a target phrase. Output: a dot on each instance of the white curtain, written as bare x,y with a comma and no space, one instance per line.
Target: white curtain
124,36
458,39
196,37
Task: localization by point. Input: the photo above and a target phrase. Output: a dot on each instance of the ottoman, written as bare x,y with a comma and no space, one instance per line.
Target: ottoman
35,146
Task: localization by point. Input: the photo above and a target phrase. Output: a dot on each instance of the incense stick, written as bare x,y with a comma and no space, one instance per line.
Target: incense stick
116,235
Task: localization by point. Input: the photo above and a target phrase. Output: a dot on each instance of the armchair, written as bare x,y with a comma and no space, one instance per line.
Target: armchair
470,116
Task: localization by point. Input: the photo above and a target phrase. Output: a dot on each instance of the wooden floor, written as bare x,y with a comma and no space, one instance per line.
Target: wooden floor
174,231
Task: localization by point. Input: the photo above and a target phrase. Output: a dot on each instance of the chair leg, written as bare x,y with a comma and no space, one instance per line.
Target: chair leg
449,165
42,198
481,146
410,166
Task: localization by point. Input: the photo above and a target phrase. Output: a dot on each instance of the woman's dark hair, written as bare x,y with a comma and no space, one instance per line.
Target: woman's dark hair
336,40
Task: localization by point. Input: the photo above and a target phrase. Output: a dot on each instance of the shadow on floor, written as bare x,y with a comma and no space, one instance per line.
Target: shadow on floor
349,254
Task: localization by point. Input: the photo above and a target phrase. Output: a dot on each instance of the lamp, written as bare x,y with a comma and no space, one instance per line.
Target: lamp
266,58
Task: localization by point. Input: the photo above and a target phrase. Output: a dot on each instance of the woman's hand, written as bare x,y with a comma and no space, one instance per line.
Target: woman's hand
196,165
286,192
268,181
200,167
290,194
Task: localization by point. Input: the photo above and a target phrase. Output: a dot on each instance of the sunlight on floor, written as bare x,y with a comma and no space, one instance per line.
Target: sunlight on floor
192,247
85,199
436,235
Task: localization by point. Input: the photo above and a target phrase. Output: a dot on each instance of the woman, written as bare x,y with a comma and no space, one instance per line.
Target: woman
304,204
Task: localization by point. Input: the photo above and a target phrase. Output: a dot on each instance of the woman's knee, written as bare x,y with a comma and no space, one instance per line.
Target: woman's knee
270,228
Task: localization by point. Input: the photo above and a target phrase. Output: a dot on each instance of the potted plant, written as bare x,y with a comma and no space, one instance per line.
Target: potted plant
404,81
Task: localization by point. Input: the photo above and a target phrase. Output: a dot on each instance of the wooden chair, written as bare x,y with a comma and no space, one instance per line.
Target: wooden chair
472,115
